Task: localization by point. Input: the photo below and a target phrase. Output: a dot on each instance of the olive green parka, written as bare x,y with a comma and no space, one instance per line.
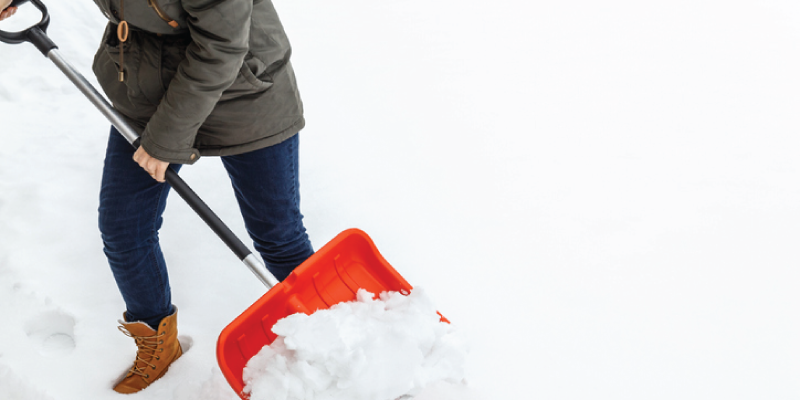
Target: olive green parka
201,77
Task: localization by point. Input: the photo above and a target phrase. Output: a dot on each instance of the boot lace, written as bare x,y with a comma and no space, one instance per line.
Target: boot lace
147,349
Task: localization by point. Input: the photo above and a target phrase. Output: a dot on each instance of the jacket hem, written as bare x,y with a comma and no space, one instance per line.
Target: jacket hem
212,151
189,156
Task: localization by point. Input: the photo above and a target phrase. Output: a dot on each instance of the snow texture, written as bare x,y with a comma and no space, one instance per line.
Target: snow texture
602,196
368,349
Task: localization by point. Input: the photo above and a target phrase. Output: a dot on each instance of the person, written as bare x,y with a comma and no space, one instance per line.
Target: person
195,78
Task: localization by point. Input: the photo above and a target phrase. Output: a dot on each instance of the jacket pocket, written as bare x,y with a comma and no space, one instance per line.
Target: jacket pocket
112,45
132,65
251,79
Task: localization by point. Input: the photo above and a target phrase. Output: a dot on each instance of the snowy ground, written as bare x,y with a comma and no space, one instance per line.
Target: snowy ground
602,196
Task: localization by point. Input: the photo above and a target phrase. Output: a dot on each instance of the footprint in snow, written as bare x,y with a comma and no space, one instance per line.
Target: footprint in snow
53,333
186,342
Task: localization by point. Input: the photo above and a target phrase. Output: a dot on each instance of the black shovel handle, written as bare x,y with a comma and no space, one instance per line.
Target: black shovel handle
35,34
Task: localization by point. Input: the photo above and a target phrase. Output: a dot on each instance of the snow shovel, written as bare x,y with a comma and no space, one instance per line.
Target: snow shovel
332,275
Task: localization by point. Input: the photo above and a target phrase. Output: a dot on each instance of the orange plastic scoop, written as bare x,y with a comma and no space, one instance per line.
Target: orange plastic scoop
334,274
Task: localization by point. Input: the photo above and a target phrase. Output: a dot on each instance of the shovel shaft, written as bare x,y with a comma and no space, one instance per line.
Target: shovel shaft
93,95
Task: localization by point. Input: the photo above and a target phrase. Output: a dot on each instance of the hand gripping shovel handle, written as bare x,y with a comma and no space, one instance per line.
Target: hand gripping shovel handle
36,35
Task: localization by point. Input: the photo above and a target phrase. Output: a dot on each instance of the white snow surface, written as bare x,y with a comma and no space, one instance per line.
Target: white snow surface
367,349
601,196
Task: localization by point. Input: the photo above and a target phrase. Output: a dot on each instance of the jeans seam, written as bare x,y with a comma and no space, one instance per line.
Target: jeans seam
295,189
154,237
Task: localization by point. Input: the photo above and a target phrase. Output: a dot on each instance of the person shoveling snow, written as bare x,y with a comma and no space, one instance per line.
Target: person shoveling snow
372,361
368,349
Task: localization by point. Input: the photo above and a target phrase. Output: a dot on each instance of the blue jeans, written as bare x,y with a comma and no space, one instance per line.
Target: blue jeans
266,186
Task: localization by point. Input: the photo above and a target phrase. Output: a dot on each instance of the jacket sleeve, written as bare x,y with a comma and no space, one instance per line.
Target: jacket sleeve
220,35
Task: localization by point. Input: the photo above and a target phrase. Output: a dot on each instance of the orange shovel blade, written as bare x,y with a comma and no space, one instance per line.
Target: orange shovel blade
334,274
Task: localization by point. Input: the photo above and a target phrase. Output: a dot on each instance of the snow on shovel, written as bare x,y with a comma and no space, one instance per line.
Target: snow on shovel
333,275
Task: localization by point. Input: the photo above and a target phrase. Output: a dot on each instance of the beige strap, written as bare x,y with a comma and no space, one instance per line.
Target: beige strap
122,35
162,14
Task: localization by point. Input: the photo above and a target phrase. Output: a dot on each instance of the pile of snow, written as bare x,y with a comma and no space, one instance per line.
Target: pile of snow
368,349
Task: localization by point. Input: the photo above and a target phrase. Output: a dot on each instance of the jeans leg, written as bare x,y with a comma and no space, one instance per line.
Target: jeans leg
267,187
131,205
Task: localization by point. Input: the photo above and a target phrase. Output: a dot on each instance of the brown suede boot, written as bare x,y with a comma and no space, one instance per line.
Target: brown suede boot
157,350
